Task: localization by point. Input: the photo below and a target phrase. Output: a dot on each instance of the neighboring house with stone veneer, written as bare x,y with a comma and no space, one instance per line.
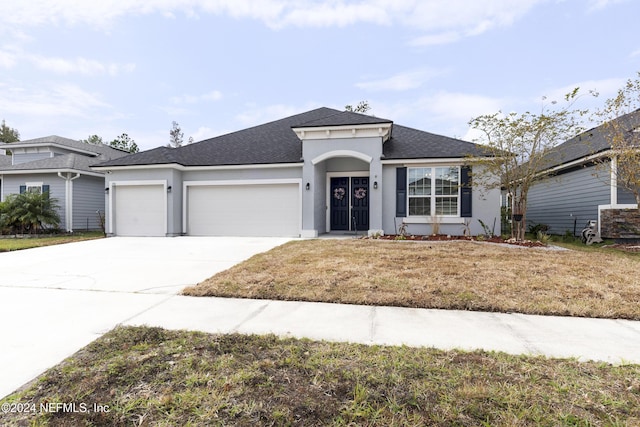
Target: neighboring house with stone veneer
582,182
312,173
60,167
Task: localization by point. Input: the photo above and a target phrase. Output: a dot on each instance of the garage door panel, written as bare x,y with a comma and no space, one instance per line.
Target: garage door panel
140,210
244,210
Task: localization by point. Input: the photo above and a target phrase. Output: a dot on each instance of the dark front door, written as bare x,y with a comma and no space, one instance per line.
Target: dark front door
360,203
339,209
349,207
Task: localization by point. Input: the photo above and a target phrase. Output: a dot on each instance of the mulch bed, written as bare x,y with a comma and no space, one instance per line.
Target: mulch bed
444,237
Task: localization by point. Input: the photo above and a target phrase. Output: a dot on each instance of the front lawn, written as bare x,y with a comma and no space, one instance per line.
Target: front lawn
149,376
447,275
8,244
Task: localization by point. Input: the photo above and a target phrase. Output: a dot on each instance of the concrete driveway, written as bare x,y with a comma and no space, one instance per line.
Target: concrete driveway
56,299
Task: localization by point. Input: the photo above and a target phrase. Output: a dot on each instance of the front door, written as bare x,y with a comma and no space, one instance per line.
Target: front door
340,203
360,203
349,206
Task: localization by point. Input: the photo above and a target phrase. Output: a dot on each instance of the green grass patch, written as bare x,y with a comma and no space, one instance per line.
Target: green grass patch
17,243
151,376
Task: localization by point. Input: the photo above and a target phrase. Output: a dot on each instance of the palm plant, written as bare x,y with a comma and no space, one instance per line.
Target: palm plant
30,212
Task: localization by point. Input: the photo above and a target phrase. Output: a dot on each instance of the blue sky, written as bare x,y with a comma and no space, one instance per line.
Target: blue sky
75,68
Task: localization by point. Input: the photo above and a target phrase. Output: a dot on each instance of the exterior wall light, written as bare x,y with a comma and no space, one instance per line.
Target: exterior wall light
169,189
308,186
106,190
375,185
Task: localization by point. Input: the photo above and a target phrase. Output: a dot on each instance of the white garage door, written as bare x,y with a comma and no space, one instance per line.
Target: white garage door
244,210
139,210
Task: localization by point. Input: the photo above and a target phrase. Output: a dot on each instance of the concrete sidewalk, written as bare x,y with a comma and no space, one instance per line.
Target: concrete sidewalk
613,341
57,299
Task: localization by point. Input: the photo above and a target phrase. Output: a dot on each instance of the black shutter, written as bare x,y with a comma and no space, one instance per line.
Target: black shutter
465,192
401,192
45,190
23,189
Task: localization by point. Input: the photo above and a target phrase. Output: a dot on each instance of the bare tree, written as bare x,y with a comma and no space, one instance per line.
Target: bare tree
176,136
363,107
621,129
518,145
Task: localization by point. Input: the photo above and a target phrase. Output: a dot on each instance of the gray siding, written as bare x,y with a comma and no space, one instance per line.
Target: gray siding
56,185
88,197
625,197
19,158
568,199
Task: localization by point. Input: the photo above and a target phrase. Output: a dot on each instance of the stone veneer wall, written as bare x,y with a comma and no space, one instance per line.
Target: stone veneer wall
620,224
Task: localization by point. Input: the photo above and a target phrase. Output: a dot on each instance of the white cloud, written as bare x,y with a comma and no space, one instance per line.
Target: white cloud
204,132
78,66
446,113
7,59
214,95
401,81
606,88
437,39
442,19
255,115
61,100
598,5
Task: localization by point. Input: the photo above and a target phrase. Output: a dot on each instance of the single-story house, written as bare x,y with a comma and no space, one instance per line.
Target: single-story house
61,167
312,173
581,181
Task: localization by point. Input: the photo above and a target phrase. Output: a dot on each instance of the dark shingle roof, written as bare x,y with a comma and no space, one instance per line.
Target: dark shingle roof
75,162
345,118
71,144
591,142
408,143
276,142
82,157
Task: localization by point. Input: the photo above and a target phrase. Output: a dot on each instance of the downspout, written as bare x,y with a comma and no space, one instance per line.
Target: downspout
68,202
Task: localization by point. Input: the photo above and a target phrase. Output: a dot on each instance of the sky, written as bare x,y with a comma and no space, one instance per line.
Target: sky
76,68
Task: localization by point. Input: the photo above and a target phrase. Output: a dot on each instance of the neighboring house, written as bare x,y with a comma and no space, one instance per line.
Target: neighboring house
312,173
61,167
581,183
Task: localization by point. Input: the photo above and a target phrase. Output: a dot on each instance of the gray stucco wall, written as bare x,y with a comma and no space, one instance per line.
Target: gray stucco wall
569,198
485,206
314,202
175,179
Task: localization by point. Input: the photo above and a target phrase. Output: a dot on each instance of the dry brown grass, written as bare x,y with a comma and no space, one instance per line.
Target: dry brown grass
451,275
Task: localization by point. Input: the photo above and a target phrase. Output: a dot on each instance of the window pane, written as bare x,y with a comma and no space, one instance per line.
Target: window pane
447,206
446,181
420,206
419,181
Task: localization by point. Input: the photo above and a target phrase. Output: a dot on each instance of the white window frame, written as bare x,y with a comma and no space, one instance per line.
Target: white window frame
433,197
29,185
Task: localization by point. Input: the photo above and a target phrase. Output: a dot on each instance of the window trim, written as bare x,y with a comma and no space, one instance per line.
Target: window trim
433,197
28,185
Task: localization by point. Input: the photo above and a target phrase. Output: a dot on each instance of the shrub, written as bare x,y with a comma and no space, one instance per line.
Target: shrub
29,213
